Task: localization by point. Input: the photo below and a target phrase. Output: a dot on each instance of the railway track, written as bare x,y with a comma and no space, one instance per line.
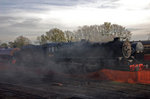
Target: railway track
19,91
70,88
16,91
74,90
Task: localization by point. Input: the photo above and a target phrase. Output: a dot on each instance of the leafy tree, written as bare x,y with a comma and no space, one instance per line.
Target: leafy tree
21,41
4,45
42,39
54,35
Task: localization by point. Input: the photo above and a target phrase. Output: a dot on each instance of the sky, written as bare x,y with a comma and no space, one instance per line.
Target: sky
31,18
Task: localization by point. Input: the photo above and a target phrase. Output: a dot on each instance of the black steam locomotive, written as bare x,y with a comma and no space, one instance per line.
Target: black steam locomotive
84,55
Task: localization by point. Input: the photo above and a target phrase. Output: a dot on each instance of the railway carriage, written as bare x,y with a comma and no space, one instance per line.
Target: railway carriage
7,55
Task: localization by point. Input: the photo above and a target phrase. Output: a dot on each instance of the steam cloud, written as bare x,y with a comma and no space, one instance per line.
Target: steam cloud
78,59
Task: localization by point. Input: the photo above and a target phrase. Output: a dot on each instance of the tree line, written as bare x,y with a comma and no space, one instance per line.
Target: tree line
93,33
18,42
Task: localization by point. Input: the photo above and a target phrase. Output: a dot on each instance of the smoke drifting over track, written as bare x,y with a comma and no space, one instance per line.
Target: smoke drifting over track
57,61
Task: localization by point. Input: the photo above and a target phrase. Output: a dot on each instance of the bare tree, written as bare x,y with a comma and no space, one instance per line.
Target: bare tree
106,31
69,36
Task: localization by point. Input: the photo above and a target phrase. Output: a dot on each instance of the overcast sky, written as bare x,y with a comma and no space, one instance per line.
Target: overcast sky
34,17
